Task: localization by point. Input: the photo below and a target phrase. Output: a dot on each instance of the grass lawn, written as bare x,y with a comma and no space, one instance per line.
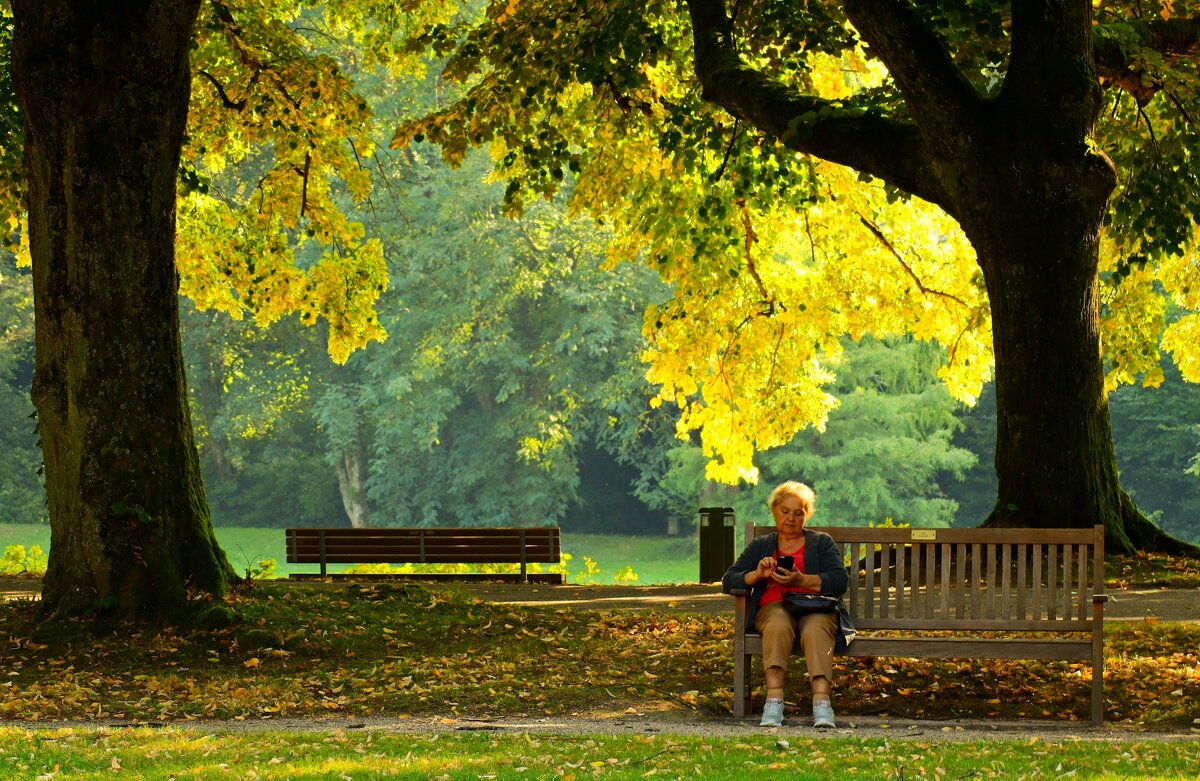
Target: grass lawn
655,560
188,753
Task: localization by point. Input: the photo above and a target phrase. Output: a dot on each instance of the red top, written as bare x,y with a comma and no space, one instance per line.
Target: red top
774,592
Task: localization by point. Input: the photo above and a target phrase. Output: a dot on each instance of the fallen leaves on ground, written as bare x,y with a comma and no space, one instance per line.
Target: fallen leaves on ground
1151,570
400,650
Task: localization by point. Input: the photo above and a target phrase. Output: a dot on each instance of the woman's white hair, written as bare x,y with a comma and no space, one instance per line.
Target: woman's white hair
798,490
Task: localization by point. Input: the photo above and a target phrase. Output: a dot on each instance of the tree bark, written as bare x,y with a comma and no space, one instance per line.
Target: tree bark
1055,461
1036,236
1034,212
104,90
354,493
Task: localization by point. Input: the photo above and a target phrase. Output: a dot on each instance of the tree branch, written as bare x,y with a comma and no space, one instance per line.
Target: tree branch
737,129
224,96
878,232
751,240
1179,106
304,184
891,150
1116,48
941,100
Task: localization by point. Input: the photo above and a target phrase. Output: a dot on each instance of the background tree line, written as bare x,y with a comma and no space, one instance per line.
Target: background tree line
510,388
510,391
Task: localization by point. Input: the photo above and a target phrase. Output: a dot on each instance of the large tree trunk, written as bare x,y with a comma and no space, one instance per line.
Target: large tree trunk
1035,225
104,89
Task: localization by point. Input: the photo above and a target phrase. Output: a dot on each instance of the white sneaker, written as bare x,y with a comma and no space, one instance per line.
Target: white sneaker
822,714
772,714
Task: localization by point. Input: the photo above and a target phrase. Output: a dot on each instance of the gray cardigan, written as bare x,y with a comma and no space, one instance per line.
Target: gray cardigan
822,556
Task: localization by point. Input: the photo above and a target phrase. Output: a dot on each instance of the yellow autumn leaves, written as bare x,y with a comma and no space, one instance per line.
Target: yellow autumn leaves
747,358
1149,309
278,136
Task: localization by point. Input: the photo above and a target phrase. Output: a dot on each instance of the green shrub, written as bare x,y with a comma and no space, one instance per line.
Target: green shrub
19,561
265,569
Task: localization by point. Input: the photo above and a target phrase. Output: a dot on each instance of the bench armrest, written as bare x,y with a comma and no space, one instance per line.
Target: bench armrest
738,592
1099,597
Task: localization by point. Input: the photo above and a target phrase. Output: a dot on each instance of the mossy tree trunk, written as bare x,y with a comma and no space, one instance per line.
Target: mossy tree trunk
104,90
1038,192
1038,246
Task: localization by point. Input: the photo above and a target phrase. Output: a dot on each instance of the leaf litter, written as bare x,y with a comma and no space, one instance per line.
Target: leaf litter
404,650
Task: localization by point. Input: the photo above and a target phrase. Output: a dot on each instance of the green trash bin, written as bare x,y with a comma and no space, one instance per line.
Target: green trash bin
716,543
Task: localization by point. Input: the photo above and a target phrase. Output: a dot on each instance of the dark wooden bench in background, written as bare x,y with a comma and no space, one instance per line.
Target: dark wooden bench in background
1019,584
521,546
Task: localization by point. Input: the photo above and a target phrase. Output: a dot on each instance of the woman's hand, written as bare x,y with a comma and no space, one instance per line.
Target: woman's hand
766,566
786,577
798,580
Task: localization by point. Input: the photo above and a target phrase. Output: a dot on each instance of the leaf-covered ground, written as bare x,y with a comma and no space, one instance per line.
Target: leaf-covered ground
404,650
1151,570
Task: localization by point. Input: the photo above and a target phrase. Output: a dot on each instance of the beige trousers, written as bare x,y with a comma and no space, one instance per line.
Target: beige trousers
817,635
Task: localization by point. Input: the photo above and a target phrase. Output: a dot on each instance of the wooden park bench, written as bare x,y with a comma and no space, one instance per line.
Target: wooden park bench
522,546
1034,593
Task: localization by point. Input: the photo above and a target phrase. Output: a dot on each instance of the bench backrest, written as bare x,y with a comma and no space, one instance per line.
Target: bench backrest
976,579
424,546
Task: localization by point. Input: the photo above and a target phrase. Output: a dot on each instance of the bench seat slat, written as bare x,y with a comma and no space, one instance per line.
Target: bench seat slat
956,648
405,550
902,534
972,648
406,555
432,531
376,557
972,625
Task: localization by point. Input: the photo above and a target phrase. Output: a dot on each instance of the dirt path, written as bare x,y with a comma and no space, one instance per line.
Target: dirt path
670,723
1123,605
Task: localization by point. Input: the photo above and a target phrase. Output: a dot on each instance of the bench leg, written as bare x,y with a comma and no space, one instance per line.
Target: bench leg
321,545
742,664
1098,663
741,660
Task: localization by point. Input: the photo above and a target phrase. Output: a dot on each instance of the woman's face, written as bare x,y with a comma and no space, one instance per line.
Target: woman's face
790,515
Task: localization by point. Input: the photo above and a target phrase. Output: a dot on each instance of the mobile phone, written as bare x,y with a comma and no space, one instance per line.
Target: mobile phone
786,562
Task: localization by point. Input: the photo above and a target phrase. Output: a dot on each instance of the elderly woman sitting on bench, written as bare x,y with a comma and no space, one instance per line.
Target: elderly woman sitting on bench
796,578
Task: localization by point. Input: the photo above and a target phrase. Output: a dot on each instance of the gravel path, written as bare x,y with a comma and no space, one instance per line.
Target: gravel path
1123,605
643,724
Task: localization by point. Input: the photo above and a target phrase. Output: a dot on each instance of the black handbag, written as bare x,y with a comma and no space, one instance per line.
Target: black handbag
799,604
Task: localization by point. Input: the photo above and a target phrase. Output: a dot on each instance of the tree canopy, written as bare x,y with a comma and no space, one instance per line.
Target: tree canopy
1006,167
723,205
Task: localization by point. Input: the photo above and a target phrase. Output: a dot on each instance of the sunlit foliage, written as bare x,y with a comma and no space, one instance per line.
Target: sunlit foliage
774,255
